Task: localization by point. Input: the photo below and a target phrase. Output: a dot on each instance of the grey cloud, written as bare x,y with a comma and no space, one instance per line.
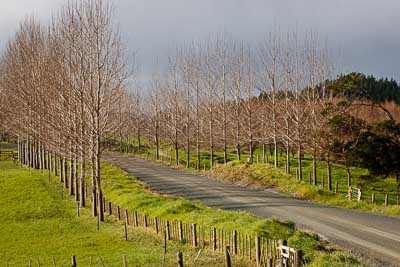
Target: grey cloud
366,31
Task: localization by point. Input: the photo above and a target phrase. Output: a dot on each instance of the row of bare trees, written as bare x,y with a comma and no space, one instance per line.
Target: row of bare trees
63,91
61,86
223,95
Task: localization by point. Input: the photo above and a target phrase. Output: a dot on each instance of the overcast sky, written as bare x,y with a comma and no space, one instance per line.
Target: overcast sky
363,34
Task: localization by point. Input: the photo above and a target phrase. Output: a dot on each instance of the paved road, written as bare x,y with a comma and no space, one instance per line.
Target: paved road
373,237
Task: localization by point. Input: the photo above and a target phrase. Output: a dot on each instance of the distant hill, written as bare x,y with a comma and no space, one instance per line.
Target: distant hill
359,86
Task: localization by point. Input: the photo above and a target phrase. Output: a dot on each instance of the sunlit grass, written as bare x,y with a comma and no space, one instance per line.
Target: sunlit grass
287,183
38,222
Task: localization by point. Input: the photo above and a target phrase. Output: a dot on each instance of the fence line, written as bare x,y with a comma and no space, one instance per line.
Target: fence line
257,249
260,250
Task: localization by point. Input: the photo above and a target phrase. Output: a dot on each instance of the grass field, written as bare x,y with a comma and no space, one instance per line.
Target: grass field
36,222
264,173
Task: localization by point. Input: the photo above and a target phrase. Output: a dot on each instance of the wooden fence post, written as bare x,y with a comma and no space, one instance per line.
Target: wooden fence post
180,259
126,217
125,262
194,235
283,243
165,242
98,222
234,242
228,257
298,258
249,247
359,195
258,252
73,261
168,231
126,232
156,224
136,222
214,238
180,231
386,199
373,198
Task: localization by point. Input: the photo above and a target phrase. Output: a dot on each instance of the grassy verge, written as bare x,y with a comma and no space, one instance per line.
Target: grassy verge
38,221
128,192
265,175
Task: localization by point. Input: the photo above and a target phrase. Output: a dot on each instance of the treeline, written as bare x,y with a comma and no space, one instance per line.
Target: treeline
60,86
359,86
206,102
64,95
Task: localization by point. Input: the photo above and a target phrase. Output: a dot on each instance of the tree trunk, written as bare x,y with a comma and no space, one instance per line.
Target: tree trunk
61,170
251,152
82,181
314,170
94,190
275,153
71,176
329,173
121,144
348,176
55,165
188,152
211,138
76,179
98,179
176,153
34,165
139,144
287,158
198,155
225,153
300,168
238,152
264,153
43,157
39,148
157,143
65,169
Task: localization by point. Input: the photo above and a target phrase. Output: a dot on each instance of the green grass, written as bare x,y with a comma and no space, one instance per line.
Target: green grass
264,176
128,192
282,181
36,222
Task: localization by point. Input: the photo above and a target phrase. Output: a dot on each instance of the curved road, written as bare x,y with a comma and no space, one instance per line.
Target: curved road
374,238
